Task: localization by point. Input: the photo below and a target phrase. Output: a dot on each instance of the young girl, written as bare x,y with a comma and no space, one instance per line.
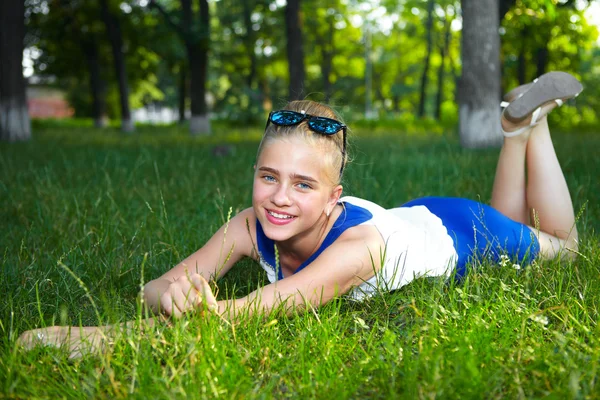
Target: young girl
315,244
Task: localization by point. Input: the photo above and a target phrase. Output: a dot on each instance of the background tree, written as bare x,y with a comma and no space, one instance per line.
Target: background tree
479,91
429,40
444,48
245,45
14,116
113,29
249,70
74,53
192,24
295,50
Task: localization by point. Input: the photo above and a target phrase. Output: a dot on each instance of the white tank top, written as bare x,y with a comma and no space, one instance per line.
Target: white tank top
417,245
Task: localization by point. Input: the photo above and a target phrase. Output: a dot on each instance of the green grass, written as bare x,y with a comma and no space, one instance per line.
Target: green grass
118,211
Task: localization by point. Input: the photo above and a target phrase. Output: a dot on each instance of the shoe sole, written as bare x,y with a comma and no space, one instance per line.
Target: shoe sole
516,92
549,87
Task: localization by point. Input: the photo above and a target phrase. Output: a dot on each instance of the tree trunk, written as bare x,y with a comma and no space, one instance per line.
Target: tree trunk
479,111
440,87
116,42
522,61
395,103
198,59
197,45
97,86
424,77
542,60
503,7
327,51
295,53
249,43
14,116
197,51
182,92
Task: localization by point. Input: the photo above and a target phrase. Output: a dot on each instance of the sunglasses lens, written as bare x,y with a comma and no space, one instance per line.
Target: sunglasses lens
325,126
286,118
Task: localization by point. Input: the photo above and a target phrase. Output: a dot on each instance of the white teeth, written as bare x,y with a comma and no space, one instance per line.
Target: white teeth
281,216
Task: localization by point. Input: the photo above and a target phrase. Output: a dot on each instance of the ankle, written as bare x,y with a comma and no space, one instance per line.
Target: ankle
508,127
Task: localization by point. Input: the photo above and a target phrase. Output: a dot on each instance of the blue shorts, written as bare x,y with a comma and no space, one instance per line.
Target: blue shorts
480,231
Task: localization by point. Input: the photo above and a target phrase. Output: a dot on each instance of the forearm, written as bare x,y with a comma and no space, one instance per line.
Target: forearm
259,302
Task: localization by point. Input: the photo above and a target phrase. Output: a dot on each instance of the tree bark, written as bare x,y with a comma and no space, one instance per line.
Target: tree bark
424,76
503,7
198,59
197,45
327,51
479,111
295,52
440,87
249,42
116,41
14,115
97,85
197,49
182,92
521,61
542,60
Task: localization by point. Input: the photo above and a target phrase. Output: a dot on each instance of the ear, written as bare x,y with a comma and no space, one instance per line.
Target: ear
336,193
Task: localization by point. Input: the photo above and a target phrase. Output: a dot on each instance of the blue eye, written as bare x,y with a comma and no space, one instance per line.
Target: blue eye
305,186
268,178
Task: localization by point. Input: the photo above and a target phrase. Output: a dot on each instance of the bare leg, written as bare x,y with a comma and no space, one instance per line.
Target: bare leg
509,195
547,193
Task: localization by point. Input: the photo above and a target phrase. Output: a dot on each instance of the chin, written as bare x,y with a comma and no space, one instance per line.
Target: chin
276,233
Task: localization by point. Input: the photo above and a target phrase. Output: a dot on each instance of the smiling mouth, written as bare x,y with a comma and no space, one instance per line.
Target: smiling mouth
279,216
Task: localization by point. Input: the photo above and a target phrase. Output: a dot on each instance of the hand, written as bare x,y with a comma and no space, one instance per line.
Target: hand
187,293
78,341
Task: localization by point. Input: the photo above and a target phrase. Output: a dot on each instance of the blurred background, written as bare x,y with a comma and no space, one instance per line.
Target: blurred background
398,62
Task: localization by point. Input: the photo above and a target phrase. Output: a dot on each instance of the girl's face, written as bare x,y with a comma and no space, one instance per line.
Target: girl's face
291,193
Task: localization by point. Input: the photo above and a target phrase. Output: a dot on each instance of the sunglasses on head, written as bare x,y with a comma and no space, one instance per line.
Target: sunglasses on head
321,125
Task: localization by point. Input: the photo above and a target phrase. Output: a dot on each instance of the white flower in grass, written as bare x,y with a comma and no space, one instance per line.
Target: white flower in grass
504,260
540,319
517,266
361,323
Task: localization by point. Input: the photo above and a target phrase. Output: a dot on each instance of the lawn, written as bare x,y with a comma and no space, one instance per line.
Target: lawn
89,216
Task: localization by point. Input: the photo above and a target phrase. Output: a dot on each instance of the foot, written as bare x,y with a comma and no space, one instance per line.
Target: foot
77,340
531,105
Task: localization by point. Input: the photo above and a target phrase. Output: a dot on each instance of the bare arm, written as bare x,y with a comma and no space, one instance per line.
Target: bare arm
228,245
342,266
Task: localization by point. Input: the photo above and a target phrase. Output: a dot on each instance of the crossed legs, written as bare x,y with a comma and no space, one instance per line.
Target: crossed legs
542,197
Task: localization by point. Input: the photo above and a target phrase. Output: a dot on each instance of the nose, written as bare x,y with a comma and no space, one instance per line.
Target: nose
281,196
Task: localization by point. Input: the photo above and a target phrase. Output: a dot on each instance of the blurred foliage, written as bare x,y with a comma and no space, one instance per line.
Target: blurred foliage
543,35
248,65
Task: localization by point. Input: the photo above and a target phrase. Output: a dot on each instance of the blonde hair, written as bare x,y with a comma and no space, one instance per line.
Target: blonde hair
332,146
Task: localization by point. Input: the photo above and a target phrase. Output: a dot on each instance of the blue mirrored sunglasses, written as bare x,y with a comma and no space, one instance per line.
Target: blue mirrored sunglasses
322,125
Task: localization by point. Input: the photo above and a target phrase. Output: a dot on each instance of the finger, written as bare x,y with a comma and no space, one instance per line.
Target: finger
205,292
166,303
179,300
